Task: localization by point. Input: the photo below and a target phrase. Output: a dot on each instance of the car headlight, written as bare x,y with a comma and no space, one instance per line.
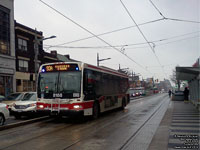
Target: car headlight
11,105
31,105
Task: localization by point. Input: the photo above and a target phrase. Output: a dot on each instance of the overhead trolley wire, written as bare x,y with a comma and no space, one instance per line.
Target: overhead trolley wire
93,34
173,19
143,36
109,32
132,44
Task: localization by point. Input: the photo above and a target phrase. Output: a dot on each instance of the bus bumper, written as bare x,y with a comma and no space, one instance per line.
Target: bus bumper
69,113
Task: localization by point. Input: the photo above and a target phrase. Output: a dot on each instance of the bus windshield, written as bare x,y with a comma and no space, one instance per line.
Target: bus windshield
59,84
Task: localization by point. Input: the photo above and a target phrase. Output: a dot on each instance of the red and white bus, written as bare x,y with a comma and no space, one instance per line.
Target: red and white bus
69,88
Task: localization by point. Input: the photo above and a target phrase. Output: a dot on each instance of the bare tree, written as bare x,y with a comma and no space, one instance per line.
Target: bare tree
173,77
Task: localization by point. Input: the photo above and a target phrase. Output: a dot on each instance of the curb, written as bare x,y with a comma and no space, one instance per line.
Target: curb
12,125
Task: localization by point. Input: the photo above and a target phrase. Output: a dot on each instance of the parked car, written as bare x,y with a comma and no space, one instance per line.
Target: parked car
4,113
12,98
26,106
2,97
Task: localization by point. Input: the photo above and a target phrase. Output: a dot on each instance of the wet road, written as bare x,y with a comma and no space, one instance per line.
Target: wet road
132,128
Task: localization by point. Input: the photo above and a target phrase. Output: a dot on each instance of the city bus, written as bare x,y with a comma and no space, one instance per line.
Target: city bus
76,88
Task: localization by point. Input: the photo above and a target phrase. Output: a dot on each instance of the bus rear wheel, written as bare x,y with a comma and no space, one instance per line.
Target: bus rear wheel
95,112
123,104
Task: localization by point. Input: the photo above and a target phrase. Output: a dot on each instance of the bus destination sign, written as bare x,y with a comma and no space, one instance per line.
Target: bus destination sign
60,67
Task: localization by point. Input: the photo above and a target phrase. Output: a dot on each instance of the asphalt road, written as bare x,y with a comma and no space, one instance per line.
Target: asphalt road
132,128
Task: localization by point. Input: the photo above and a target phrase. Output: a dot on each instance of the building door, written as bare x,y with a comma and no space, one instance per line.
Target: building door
6,85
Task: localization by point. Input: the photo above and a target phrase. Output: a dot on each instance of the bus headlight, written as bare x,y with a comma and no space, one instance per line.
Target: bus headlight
77,106
40,106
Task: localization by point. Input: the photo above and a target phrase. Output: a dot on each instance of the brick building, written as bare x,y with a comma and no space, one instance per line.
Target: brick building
25,57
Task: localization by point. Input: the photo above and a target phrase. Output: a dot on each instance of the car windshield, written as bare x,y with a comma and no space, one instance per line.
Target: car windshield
2,97
29,97
14,96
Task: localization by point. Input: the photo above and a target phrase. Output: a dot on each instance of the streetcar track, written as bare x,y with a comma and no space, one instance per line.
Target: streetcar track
140,128
36,137
69,125
26,126
81,139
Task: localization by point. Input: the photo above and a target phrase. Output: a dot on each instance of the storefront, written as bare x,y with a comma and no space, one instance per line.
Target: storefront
6,81
6,85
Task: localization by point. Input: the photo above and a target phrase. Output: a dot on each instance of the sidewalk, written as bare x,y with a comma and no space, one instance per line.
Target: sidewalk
179,128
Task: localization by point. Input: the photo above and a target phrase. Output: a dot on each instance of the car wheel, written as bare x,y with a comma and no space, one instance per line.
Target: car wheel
95,113
2,120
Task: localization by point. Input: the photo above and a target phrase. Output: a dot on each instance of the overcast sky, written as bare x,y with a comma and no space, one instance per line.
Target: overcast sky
174,42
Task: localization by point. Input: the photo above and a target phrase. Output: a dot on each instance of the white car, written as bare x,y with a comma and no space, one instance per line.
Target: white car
12,98
26,106
4,113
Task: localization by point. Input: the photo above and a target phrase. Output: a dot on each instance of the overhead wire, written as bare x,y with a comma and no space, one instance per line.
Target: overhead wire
109,32
77,24
143,35
168,42
173,19
132,44
181,20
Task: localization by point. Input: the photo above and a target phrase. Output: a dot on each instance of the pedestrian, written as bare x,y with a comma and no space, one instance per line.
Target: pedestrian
186,94
170,92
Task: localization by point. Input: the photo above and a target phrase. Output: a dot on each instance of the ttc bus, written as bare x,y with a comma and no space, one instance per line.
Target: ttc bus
76,88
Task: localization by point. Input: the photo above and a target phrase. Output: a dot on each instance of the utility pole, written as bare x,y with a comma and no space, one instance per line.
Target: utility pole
36,50
98,60
132,76
36,43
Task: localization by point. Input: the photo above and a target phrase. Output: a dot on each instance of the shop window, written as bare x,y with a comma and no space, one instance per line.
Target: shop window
23,65
22,44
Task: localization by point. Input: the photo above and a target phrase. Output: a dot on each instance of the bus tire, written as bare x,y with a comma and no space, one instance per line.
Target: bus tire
95,110
123,104
2,119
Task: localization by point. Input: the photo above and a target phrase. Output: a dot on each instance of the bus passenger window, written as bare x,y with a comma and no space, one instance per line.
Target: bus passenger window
88,85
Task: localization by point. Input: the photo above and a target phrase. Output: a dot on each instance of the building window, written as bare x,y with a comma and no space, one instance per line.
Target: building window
4,30
23,65
22,44
28,86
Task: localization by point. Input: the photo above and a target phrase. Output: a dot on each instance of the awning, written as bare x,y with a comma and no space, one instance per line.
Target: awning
187,73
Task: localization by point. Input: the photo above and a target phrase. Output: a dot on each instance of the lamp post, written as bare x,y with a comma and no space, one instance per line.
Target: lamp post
98,60
36,49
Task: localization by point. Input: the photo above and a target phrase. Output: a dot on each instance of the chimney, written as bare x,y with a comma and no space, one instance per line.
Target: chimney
54,53
68,57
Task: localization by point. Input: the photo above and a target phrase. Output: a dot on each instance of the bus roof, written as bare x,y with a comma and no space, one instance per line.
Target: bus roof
92,67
